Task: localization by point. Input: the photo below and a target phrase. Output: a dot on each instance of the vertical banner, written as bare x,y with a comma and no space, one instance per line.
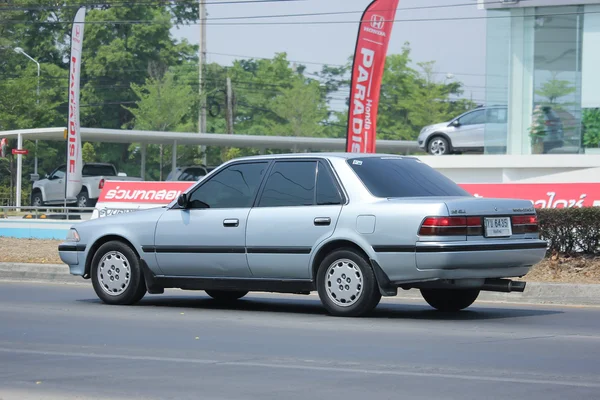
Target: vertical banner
74,159
367,69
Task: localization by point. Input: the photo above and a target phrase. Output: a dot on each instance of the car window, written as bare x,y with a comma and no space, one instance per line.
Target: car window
327,190
60,172
403,177
233,187
473,118
192,174
496,116
98,170
290,183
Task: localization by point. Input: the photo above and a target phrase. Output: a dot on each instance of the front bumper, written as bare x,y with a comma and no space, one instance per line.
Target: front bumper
73,254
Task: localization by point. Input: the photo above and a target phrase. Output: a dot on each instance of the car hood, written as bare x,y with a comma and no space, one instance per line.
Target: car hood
434,127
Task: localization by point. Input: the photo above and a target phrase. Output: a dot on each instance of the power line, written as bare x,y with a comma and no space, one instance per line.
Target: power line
154,3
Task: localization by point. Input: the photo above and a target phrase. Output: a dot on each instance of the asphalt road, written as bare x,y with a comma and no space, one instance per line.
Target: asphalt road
60,342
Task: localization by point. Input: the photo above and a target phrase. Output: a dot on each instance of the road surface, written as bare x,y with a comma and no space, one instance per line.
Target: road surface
60,342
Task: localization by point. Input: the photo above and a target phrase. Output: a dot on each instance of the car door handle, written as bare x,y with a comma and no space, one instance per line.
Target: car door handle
231,223
322,221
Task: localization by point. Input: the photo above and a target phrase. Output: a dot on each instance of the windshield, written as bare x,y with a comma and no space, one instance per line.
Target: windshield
403,177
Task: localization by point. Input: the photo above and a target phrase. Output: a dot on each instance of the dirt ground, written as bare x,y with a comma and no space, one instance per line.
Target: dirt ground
556,269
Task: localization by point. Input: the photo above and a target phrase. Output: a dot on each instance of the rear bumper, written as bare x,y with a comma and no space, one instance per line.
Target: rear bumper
479,255
74,256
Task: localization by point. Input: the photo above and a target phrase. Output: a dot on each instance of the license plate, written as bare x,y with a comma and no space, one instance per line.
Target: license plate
498,227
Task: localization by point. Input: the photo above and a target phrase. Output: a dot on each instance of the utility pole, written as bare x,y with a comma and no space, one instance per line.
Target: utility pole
201,63
229,107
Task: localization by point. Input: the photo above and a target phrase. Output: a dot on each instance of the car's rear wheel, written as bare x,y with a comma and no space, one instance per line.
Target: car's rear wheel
116,274
450,300
83,199
438,146
346,284
226,295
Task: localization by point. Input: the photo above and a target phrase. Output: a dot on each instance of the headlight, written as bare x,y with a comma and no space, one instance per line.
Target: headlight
72,236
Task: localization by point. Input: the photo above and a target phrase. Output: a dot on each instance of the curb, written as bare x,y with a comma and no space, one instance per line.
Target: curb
535,292
57,273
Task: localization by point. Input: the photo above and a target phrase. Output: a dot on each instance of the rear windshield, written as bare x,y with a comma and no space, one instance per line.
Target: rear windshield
98,170
403,177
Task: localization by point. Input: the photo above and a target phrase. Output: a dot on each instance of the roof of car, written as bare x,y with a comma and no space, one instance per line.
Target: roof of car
322,155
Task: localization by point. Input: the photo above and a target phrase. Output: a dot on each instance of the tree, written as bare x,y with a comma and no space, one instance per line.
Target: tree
163,105
303,109
88,153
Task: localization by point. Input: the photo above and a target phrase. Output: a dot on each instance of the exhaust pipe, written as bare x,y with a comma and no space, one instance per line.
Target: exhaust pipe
503,285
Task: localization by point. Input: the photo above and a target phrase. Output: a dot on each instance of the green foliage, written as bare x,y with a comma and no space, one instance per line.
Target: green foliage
571,231
591,127
554,89
88,153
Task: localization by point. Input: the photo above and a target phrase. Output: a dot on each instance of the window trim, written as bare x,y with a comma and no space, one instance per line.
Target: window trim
216,172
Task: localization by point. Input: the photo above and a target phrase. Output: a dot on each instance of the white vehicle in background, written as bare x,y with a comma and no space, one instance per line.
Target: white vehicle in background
51,190
189,174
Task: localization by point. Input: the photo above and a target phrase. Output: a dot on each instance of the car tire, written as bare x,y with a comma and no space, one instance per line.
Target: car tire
438,146
83,199
37,200
116,274
346,284
226,295
450,300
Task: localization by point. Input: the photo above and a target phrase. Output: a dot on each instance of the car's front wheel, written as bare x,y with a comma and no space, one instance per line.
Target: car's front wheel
116,274
450,300
226,295
37,200
346,284
438,146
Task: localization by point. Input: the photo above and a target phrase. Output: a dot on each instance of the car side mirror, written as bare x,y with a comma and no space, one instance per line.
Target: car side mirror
182,200
455,123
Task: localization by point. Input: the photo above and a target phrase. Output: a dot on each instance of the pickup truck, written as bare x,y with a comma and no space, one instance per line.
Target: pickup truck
51,190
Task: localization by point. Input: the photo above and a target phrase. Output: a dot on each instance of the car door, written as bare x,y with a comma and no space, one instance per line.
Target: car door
207,238
55,188
297,209
469,131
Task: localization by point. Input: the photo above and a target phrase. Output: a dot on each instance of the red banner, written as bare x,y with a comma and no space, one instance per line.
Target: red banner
367,70
543,195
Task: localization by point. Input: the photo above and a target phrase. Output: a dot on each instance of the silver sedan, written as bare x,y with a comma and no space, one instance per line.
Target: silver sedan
352,227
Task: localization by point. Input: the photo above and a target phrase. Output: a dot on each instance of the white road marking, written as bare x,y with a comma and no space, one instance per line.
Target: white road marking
253,364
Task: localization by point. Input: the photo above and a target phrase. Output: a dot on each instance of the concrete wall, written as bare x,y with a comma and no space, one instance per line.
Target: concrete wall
547,168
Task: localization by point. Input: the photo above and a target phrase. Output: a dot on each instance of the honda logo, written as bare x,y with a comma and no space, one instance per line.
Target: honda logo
377,21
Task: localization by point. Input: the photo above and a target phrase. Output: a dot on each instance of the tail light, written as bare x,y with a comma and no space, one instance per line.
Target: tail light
101,184
525,224
451,226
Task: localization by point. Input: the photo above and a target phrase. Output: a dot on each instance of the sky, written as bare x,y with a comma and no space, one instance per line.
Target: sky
457,46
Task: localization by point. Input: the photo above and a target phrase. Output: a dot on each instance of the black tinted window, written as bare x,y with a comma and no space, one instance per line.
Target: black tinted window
291,183
234,187
327,191
403,177
98,170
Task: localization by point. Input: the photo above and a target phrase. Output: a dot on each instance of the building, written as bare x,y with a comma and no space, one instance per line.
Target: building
543,64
